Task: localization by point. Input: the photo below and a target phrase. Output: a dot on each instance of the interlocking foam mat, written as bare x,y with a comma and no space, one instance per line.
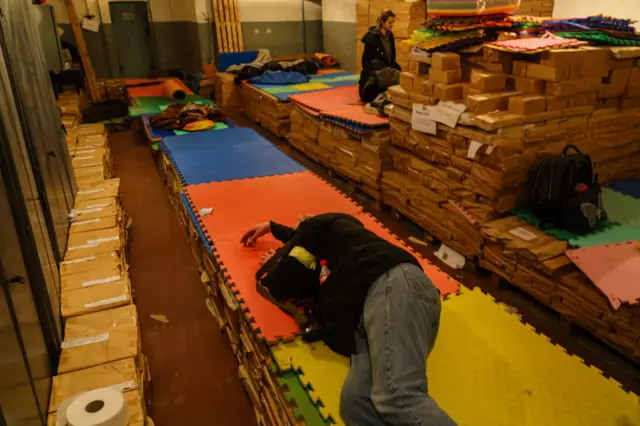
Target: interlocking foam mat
196,223
613,268
630,187
487,368
225,155
156,135
156,104
317,83
240,204
342,105
294,393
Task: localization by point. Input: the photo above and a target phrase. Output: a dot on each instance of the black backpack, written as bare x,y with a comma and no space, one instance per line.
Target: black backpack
565,192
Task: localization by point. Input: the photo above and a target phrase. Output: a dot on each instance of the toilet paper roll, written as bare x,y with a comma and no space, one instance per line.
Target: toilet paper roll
100,407
62,411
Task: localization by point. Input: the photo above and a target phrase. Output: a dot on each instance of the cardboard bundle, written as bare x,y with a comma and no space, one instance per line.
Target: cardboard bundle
535,7
227,92
361,158
266,110
100,337
536,262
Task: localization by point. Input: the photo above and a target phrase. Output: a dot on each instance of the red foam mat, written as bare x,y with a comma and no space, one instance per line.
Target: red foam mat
240,204
328,100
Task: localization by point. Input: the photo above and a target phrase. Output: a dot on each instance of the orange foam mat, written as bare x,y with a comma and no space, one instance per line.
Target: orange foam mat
240,204
330,100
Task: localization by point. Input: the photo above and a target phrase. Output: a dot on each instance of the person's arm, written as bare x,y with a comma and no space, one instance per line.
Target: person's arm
280,232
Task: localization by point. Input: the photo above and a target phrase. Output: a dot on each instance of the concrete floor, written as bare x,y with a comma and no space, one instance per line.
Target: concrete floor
194,373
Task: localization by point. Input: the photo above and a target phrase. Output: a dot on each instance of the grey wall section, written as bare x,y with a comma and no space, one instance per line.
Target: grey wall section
283,38
176,45
340,41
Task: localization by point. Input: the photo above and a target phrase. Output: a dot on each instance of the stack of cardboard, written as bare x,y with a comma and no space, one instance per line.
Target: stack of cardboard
360,157
410,15
102,336
227,92
266,110
535,262
519,113
535,7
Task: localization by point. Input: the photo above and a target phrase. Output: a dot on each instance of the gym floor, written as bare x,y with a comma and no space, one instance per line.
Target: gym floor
194,373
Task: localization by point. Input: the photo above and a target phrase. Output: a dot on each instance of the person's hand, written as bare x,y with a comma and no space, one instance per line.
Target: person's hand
252,235
268,255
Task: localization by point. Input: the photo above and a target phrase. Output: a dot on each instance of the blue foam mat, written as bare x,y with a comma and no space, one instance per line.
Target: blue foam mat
630,187
157,134
328,79
226,154
194,220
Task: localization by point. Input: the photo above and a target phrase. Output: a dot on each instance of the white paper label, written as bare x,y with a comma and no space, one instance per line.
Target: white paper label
91,24
446,114
105,302
85,151
83,341
86,157
490,149
83,246
474,146
90,210
103,240
101,281
123,387
524,234
90,191
95,206
421,120
82,259
85,222
83,166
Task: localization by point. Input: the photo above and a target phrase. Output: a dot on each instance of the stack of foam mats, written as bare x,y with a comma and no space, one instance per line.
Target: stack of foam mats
268,105
341,106
152,105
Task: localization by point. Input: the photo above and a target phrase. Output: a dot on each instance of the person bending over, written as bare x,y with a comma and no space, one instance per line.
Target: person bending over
379,58
376,305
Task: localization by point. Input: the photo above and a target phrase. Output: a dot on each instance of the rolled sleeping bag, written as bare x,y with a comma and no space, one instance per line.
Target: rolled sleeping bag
326,60
174,89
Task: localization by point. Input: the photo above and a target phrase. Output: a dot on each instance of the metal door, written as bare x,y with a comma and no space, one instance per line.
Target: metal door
132,34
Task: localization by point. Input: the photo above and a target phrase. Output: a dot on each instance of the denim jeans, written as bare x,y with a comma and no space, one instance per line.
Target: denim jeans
387,382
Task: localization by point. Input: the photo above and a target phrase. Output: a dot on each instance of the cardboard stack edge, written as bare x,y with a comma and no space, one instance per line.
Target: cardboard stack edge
101,346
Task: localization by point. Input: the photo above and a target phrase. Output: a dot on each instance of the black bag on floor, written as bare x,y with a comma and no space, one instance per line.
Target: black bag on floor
564,192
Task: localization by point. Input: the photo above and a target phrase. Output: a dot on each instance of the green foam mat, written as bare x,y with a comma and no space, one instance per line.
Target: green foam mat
305,409
155,104
625,232
620,208
559,233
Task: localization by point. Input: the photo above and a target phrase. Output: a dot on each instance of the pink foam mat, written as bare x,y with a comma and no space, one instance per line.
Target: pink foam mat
613,268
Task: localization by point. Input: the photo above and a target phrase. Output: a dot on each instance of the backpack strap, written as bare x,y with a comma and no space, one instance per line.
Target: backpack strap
566,149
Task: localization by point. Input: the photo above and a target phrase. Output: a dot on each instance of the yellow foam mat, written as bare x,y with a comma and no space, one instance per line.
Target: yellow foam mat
487,369
310,86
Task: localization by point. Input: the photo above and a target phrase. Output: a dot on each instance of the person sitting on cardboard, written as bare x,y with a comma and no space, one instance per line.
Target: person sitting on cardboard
373,303
379,67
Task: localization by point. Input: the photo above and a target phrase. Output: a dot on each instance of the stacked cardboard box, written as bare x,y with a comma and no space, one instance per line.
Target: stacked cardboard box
266,110
227,92
409,17
536,263
102,336
535,7
360,157
518,113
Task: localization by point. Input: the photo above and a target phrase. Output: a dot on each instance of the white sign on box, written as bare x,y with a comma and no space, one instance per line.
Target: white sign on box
447,113
421,120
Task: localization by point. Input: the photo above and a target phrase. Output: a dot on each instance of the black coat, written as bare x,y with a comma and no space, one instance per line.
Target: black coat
374,57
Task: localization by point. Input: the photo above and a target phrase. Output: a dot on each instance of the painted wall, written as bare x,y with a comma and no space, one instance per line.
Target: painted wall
619,8
175,40
339,31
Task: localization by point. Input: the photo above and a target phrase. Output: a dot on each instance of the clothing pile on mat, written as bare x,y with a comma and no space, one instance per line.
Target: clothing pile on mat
263,64
279,78
186,116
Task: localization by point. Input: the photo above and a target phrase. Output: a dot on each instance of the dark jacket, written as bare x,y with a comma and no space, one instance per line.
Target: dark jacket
374,57
355,256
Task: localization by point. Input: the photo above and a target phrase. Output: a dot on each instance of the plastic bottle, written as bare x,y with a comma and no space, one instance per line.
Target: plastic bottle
324,271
